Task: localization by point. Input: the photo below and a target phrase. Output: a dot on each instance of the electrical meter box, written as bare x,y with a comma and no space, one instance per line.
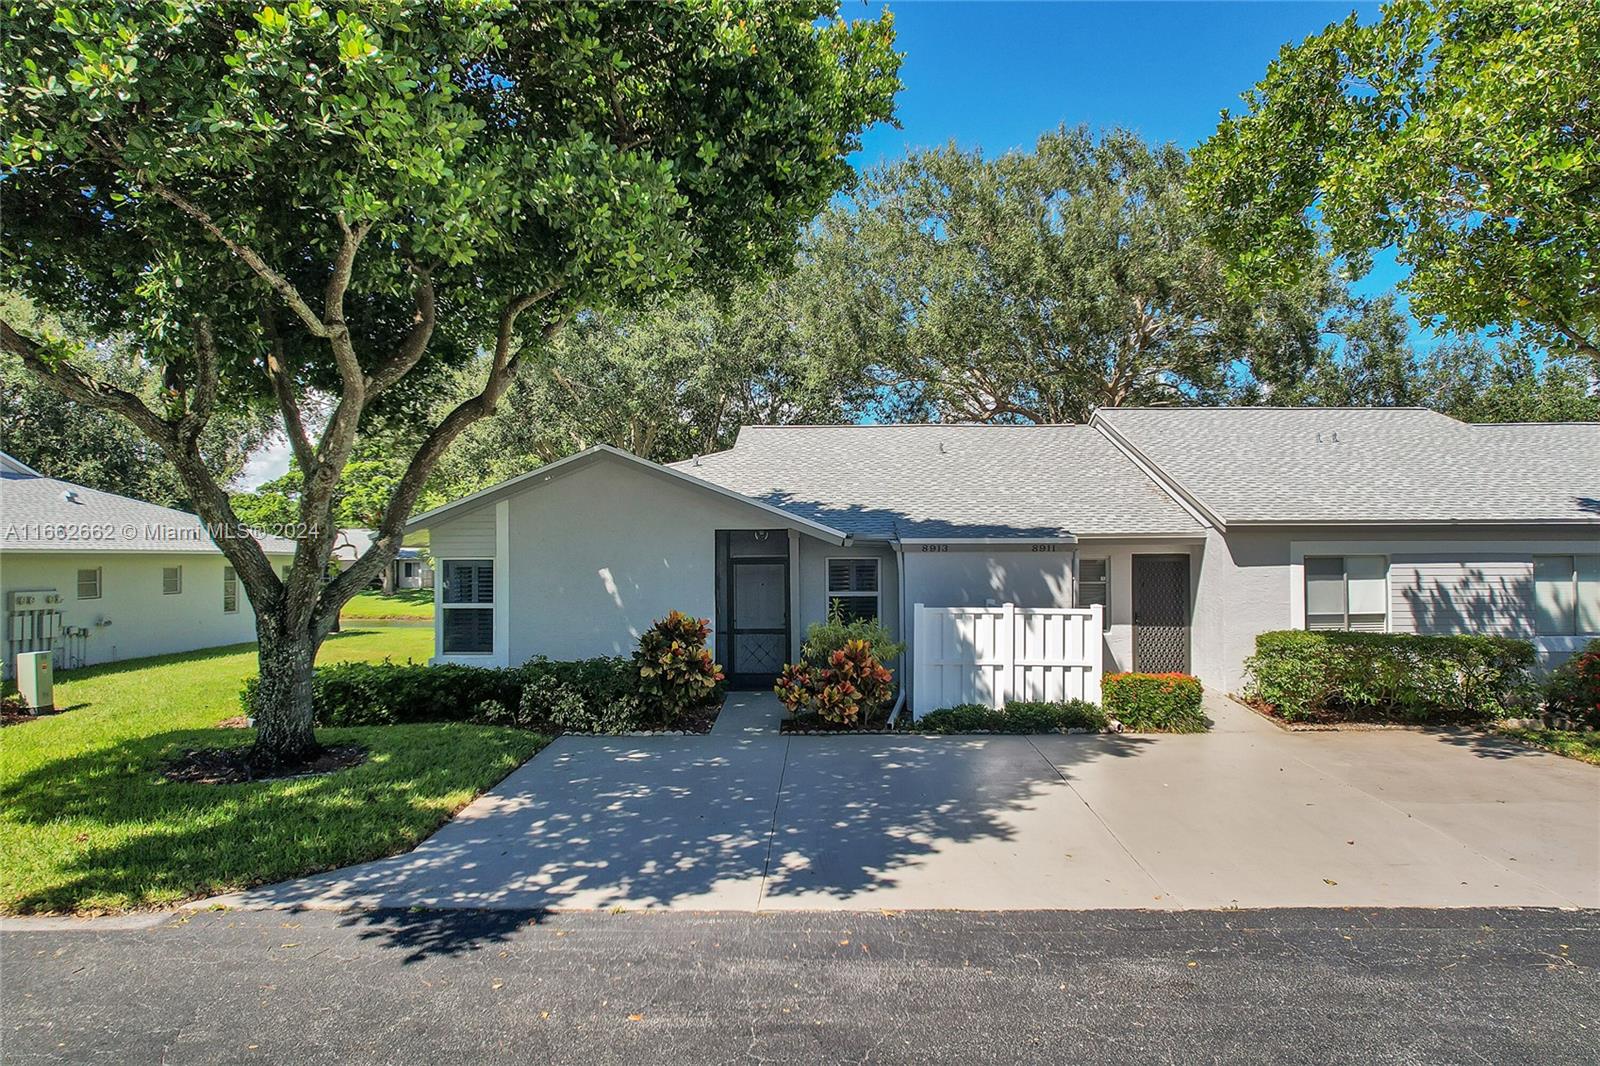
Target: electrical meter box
35,681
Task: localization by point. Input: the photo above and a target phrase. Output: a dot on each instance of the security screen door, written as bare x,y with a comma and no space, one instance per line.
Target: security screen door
1161,613
755,595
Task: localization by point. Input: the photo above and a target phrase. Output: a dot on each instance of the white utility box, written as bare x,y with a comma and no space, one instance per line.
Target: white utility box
36,681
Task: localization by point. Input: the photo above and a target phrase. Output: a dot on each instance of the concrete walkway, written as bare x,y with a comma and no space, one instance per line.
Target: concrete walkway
1246,815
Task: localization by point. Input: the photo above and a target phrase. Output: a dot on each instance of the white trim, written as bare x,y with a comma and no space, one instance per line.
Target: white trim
1064,538
502,583
796,637
560,467
1180,496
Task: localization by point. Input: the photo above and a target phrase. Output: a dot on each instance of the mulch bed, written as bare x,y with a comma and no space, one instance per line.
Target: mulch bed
233,766
10,717
1342,721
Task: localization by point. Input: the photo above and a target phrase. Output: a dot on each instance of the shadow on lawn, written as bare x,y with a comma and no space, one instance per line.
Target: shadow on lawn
148,840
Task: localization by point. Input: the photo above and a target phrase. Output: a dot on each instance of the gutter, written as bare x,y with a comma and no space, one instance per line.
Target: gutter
905,628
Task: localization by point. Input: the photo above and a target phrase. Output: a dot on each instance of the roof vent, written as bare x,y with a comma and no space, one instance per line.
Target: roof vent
70,495
941,448
697,460
1331,437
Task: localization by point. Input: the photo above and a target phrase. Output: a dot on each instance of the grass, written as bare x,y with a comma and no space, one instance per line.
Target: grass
407,603
1585,747
87,824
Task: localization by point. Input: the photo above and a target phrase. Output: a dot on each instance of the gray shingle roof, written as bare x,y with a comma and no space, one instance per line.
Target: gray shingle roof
45,514
946,480
1358,465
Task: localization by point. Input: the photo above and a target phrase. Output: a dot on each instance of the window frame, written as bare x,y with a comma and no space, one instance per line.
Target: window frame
176,571
445,604
99,582
1344,575
829,594
230,589
1578,565
1104,583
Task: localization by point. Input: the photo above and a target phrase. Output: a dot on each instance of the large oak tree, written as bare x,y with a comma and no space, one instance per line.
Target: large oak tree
318,205
1463,133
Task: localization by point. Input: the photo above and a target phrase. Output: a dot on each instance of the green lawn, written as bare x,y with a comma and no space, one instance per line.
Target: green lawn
407,603
1584,747
88,824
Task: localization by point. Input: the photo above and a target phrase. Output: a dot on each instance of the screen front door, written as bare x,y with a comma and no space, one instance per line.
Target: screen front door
1161,614
758,630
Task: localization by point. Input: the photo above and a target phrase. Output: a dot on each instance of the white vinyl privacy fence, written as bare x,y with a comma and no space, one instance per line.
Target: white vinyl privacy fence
991,655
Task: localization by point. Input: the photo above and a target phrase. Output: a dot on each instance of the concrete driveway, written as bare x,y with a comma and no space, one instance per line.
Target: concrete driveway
1246,816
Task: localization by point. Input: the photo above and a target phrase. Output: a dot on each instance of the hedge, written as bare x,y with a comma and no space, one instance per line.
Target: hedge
1016,717
1465,678
1154,703
350,694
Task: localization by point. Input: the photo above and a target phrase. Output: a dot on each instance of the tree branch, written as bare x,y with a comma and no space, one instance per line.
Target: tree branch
282,380
391,529
412,349
280,284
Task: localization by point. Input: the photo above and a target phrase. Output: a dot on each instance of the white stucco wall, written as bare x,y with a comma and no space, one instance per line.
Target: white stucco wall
812,599
1254,581
594,556
1119,609
978,575
143,621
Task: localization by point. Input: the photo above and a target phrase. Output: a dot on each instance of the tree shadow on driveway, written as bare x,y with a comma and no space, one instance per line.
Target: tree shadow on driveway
692,823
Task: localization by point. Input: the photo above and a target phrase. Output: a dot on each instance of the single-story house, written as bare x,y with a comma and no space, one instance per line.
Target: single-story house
95,577
409,569
1193,529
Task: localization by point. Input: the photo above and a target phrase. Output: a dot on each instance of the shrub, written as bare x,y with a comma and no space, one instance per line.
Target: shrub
825,638
849,685
1154,703
1022,716
1573,689
676,671
348,694
1392,675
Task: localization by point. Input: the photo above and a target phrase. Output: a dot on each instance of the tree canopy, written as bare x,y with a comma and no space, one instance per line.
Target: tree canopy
1039,285
285,204
1464,133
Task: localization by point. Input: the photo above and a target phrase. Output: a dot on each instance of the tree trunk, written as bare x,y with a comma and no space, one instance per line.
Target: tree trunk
388,578
283,709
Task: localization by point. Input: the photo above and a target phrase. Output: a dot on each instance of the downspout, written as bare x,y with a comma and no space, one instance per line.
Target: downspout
905,636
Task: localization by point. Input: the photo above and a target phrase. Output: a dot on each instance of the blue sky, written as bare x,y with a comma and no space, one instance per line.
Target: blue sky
996,75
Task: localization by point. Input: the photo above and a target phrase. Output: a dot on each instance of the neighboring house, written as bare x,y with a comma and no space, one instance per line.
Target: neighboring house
95,577
408,570
1196,529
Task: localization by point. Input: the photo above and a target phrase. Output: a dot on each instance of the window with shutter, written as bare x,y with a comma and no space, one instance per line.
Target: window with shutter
852,589
1348,592
1094,587
1566,595
230,591
89,584
468,602
171,580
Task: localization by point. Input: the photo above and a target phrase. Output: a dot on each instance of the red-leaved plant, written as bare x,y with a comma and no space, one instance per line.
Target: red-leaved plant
676,671
852,681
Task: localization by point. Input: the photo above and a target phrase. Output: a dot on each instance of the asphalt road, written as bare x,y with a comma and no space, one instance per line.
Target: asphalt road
1093,986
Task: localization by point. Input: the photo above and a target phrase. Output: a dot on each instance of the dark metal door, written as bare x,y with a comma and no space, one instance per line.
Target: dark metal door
1161,614
758,623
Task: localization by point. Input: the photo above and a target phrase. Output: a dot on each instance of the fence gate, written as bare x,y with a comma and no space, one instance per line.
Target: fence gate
990,655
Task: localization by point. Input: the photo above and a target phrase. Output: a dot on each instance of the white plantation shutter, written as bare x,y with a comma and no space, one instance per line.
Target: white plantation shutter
853,589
